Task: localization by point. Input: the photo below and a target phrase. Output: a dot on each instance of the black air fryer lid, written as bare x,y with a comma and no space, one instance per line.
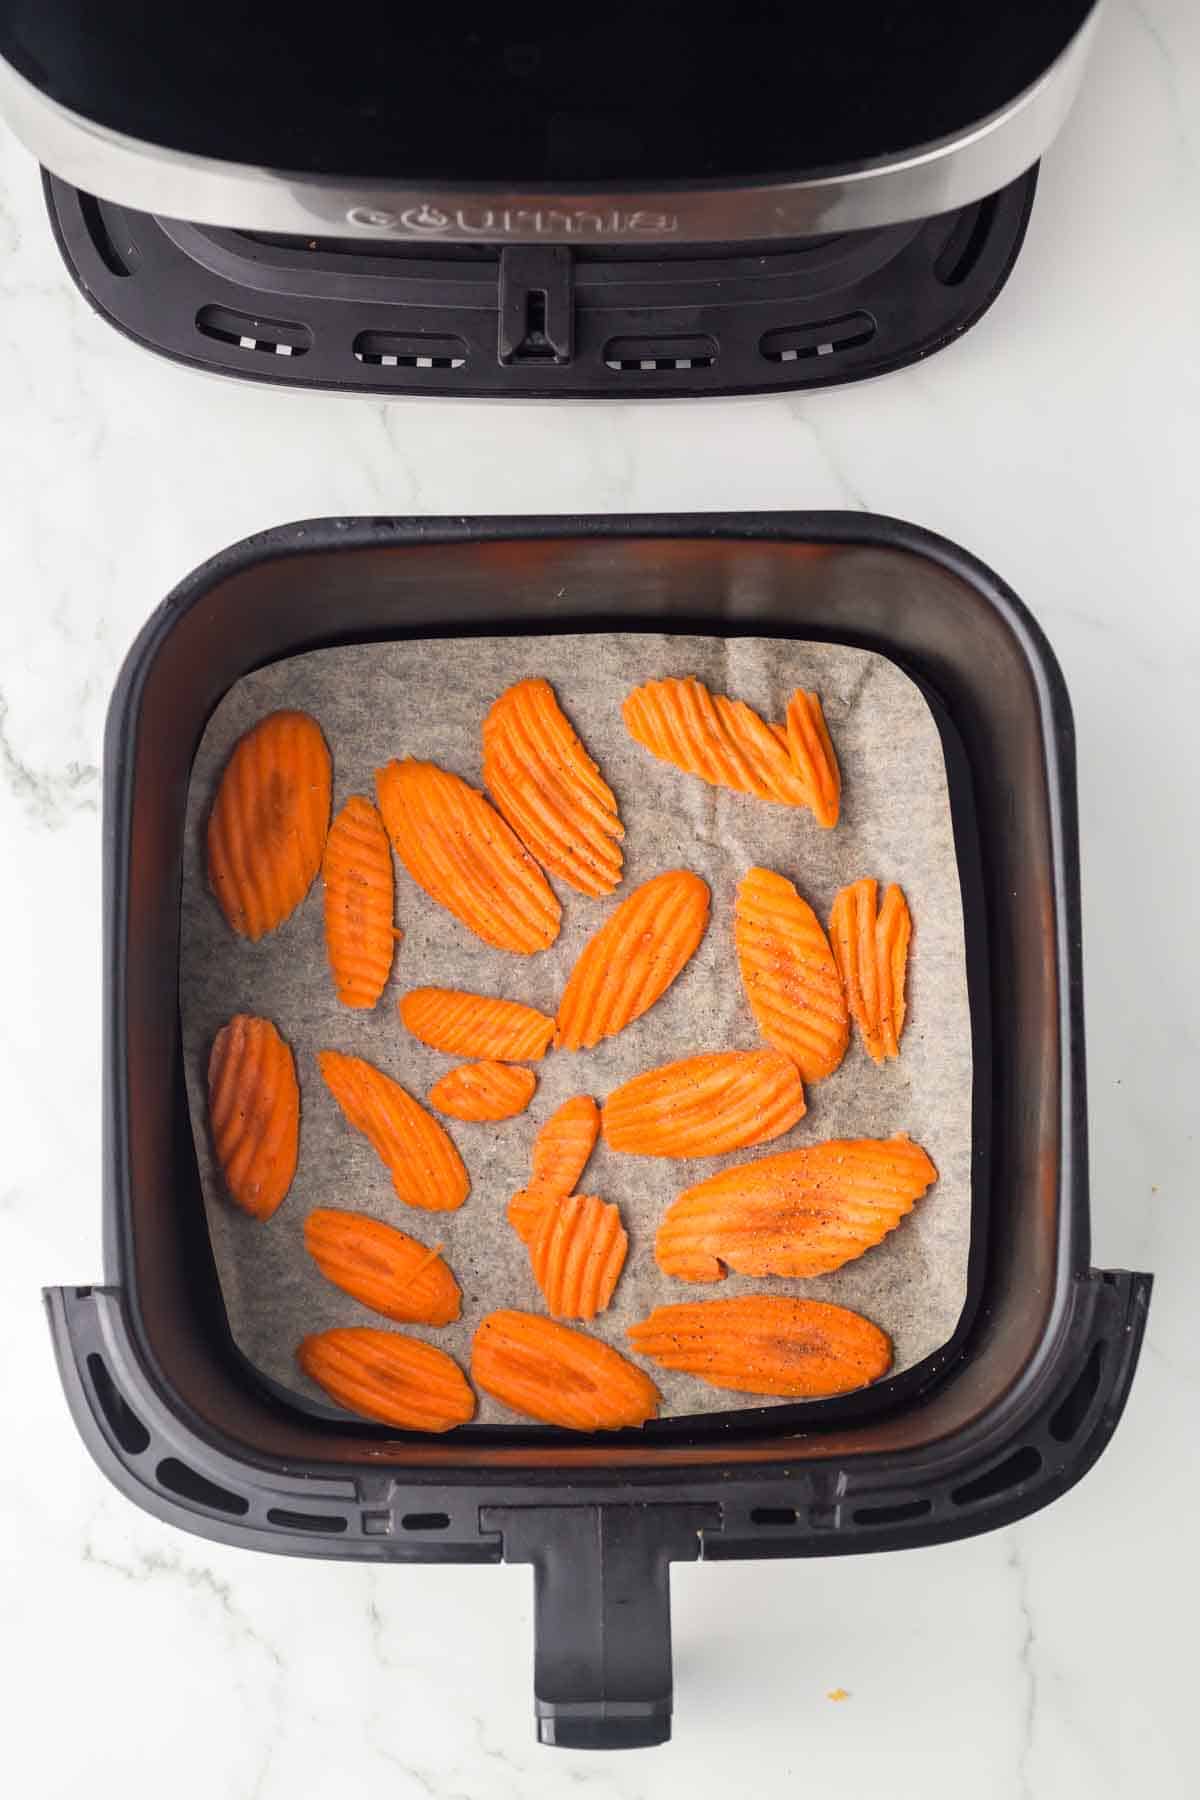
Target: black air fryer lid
670,92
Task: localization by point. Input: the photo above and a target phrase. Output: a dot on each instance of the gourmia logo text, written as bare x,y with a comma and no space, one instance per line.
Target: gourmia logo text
536,221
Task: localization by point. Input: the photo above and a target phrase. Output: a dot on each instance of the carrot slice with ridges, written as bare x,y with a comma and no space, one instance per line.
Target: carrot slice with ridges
388,1375
766,1344
482,1091
871,947
813,756
577,1254
705,1105
633,958
799,1212
254,1112
852,935
558,1375
893,929
550,790
723,741
266,830
383,1268
360,938
456,846
476,1025
425,1167
789,974
560,1153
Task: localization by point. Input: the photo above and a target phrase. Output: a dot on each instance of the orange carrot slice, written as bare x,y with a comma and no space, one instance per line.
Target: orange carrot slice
476,1025
458,848
254,1111
871,947
558,1375
483,1091
549,789
799,1212
789,974
577,1254
766,1344
384,1268
387,1375
813,757
360,937
723,741
426,1169
266,831
893,930
560,1153
705,1105
632,960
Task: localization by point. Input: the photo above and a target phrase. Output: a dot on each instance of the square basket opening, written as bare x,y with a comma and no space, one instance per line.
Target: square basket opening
992,690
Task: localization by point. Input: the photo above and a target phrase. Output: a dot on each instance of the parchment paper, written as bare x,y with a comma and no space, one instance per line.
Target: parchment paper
427,699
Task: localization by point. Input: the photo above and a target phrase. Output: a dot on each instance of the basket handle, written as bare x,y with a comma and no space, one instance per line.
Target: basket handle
602,1615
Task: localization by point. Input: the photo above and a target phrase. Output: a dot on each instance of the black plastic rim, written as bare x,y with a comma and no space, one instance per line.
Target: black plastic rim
534,321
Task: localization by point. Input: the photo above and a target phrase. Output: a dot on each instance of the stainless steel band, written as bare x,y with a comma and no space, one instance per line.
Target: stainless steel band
917,183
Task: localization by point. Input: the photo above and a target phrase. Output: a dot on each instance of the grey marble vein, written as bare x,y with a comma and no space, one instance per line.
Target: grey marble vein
49,796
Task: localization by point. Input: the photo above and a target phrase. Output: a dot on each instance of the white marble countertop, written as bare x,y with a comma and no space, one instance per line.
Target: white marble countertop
1060,440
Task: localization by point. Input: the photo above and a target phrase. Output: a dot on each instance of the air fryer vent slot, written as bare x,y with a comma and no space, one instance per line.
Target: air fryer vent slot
825,337
189,1485
412,350
121,262
271,337
430,1521
123,1422
1070,1413
301,1521
966,243
1021,1466
646,355
774,1515
892,1515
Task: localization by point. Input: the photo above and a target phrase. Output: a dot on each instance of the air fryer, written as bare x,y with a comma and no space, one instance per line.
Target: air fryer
1001,1421
643,200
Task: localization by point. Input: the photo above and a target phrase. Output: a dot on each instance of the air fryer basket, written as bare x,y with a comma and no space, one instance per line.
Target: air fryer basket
1009,1416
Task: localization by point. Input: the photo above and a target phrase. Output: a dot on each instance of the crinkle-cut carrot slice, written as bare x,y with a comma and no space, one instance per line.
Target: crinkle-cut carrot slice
266,830
476,1025
254,1112
633,958
723,741
871,947
705,1105
386,1269
799,1212
456,846
813,757
482,1091
893,930
789,974
550,790
766,1344
852,934
558,1375
360,937
577,1253
560,1153
388,1375
426,1169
